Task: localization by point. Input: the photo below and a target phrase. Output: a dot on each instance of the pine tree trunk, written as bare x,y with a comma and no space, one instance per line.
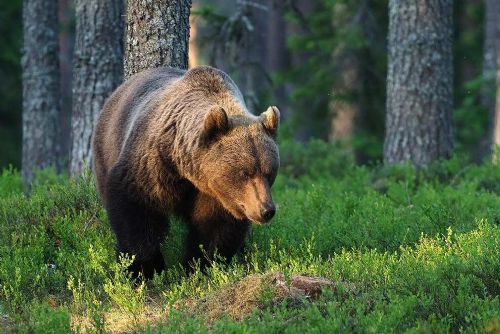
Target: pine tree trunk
496,115
252,65
419,82
98,68
344,107
193,52
157,34
488,89
489,56
308,127
277,56
345,110
40,66
278,59
66,55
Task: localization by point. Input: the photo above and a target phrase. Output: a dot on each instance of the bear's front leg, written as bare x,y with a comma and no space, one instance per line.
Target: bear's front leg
139,230
212,230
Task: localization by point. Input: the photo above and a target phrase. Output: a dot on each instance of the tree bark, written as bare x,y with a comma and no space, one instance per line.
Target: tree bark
66,55
489,56
469,28
40,66
194,52
157,34
278,58
345,111
252,66
240,48
496,115
97,71
344,108
419,82
304,8
489,69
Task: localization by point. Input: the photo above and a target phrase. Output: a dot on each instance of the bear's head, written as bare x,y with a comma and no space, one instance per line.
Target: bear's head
241,161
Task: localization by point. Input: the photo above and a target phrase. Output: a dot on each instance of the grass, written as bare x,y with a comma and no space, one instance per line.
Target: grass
420,247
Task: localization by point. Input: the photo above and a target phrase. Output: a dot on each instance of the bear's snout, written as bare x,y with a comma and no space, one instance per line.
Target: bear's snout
257,201
267,212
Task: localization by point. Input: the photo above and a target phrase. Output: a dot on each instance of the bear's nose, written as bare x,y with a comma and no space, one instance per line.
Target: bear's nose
268,211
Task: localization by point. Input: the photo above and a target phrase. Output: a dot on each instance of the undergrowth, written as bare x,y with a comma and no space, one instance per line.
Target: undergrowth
420,246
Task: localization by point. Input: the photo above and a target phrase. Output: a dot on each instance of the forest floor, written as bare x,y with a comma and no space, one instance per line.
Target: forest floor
351,249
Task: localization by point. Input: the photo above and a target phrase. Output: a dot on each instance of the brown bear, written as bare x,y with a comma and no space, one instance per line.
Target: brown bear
170,141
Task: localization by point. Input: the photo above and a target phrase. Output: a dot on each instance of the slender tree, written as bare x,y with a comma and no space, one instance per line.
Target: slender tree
419,82
488,87
66,56
40,66
344,108
239,47
194,52
252,59
98,68
278,58
157,34
302,9
496,114
489,56
491,75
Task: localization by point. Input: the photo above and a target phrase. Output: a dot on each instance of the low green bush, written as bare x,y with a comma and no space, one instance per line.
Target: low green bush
421,248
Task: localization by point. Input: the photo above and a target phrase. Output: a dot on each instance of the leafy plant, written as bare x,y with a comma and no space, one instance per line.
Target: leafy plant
418,250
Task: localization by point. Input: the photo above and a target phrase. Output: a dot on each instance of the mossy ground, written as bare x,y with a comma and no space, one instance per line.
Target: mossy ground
420,247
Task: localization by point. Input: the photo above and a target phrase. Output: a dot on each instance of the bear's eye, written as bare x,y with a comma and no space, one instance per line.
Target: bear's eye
245,175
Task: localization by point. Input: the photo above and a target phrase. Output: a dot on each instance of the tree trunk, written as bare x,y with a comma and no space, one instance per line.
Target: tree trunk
278,57
469,28
194,52
157,34
304,8
496,114
40,65
66,53
344,108
98,68
241,50
252,64
489,57
419,82
488,75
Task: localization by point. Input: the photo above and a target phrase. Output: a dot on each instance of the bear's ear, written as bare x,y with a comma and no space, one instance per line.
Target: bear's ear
216,122
271,120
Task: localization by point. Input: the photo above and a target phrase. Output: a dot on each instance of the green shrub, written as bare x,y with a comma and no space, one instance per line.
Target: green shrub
10,182
420,247
44,319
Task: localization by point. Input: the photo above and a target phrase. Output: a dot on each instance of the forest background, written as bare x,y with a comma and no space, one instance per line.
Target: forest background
323,63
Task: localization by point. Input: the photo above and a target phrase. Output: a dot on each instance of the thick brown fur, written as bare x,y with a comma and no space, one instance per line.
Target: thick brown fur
172,141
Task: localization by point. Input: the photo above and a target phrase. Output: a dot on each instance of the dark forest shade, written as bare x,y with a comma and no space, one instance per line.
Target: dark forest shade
495,118
157,34
278,58
489,55
40,64
98,70
419,82
488,89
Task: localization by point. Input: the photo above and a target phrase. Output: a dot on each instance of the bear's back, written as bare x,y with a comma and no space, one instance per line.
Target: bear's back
212,81
130,110
120,112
